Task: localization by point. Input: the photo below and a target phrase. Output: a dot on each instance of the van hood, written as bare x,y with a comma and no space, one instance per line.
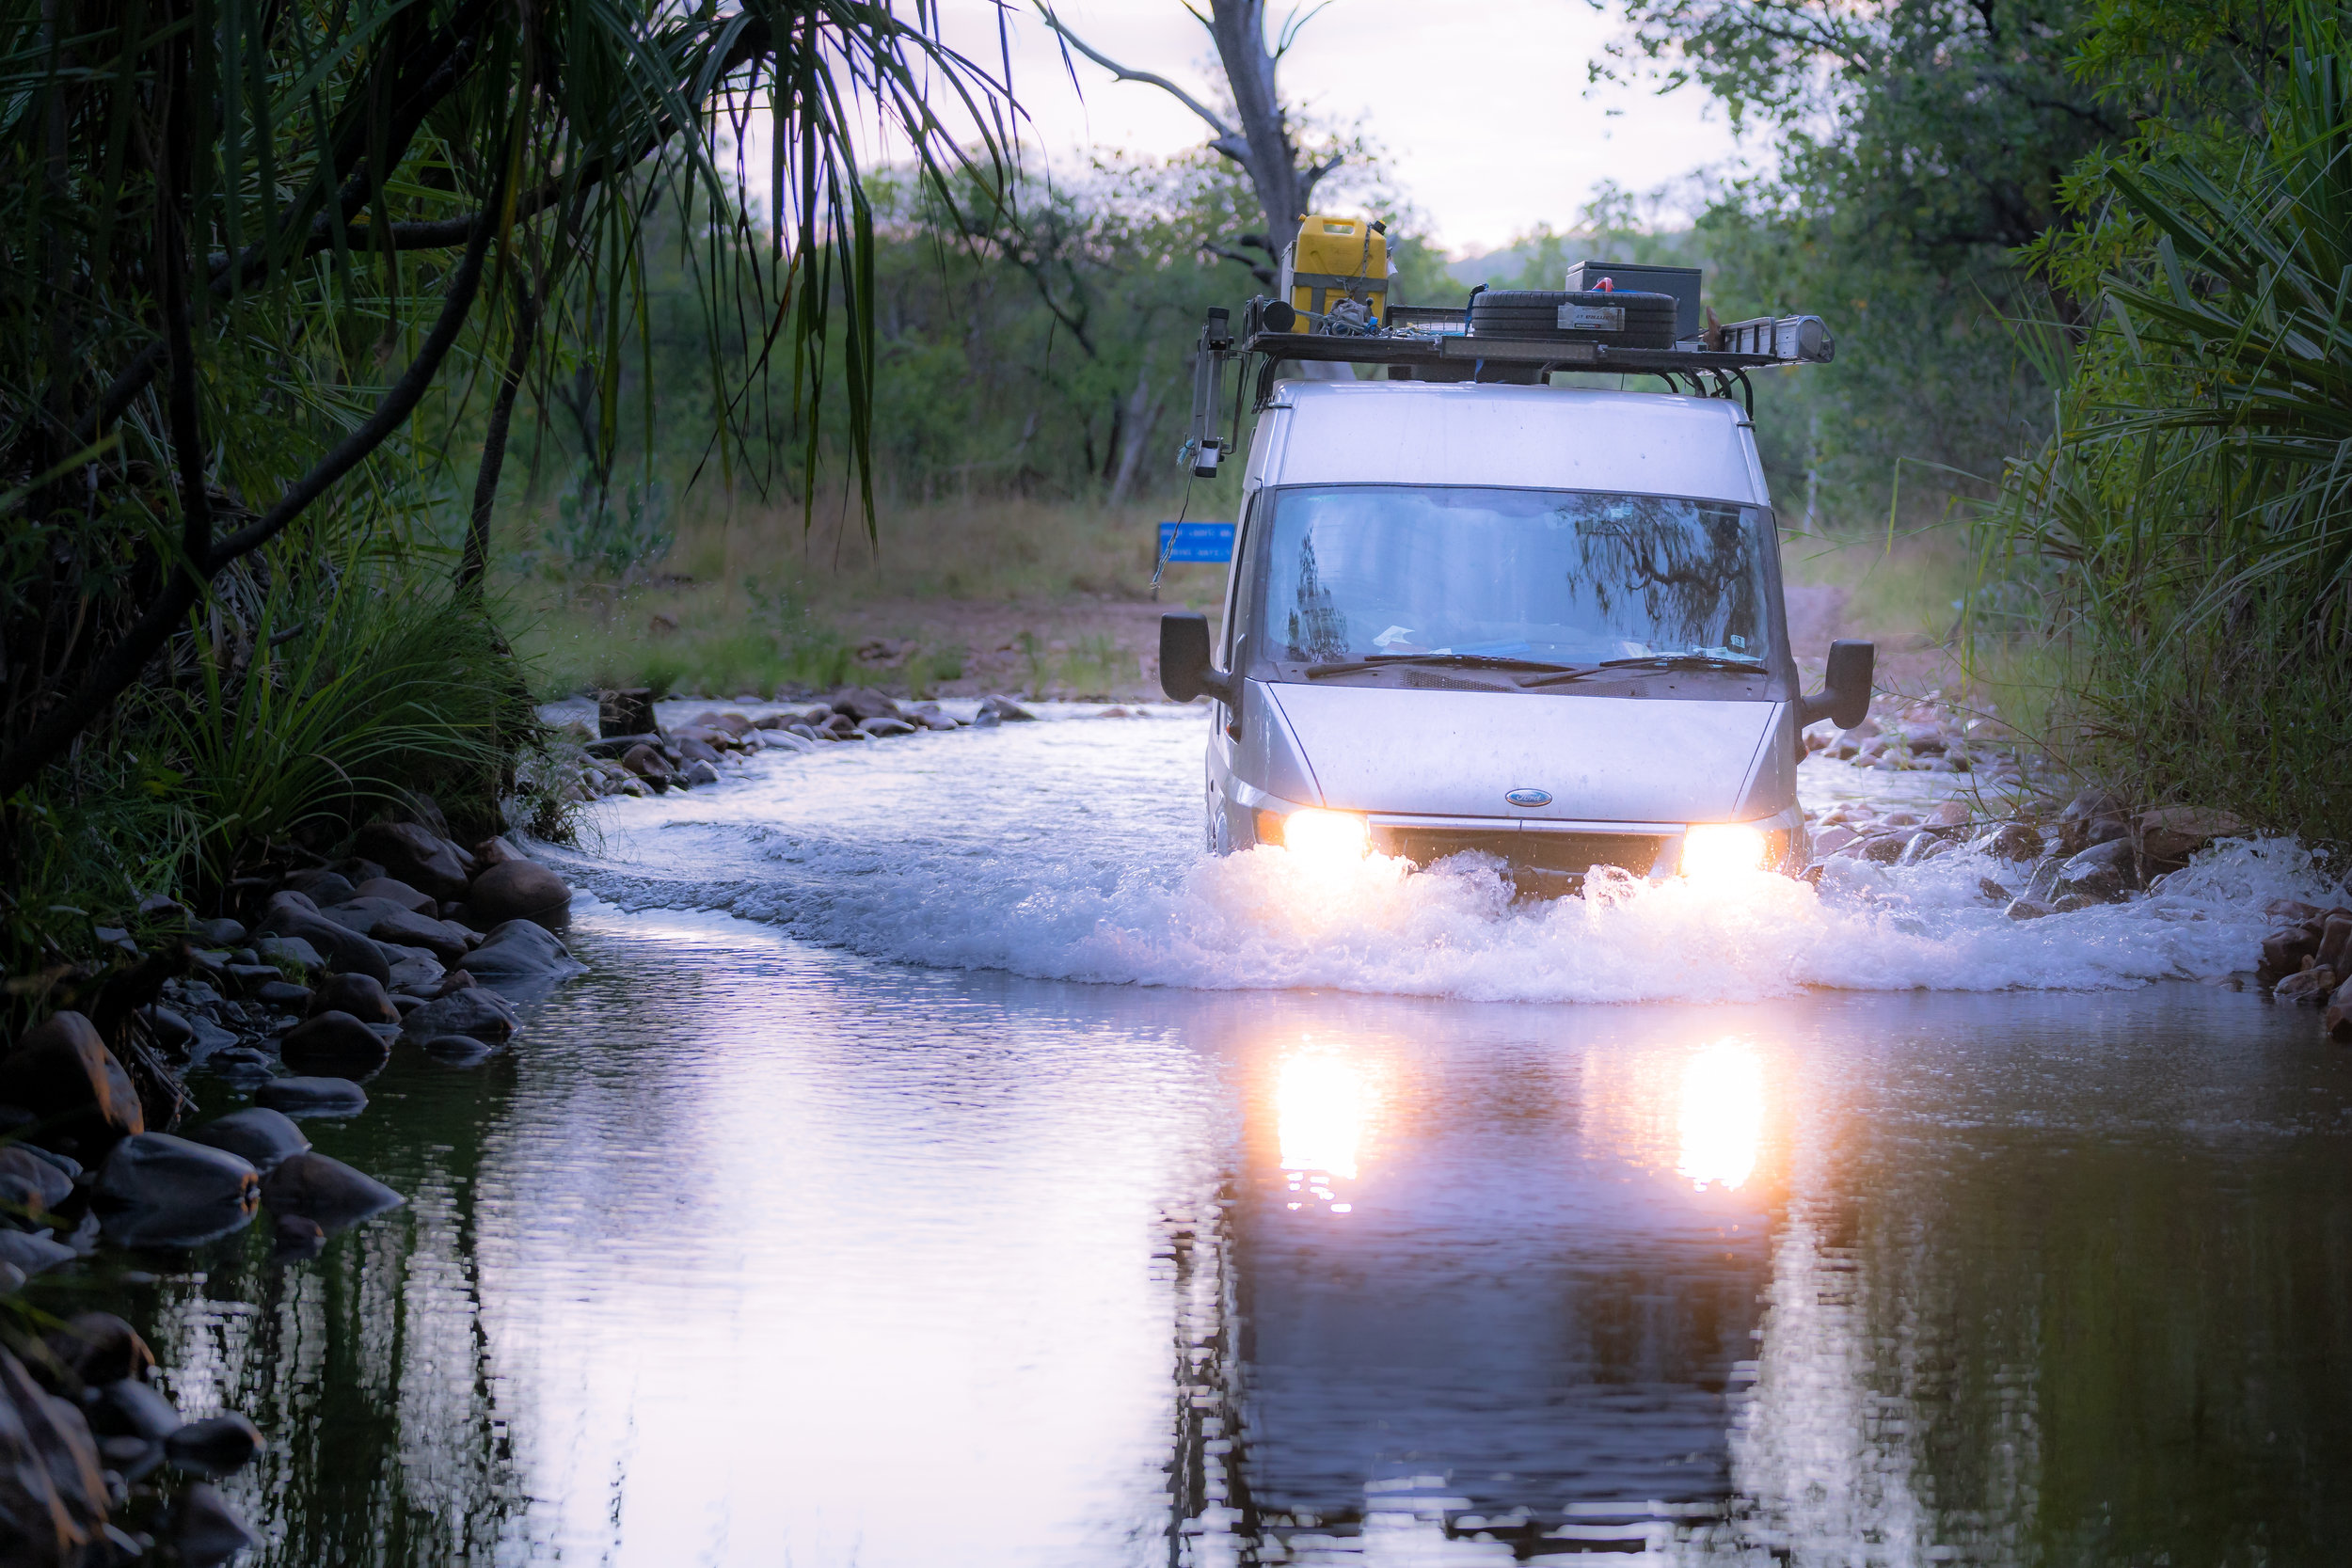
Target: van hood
1455,753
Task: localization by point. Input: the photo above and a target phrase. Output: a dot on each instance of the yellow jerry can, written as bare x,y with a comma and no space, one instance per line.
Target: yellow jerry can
1334,260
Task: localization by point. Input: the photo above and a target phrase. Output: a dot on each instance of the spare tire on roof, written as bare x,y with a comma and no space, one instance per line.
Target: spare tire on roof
1626,318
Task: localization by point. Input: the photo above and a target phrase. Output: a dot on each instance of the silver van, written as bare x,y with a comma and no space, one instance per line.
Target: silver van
1539,623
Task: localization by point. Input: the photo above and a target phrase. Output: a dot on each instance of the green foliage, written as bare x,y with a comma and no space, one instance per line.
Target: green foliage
2185,538
603,530
349,695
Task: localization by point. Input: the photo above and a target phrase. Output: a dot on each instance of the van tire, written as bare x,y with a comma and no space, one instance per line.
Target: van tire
1534,313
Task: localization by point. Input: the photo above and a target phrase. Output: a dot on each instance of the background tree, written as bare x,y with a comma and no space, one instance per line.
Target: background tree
242,243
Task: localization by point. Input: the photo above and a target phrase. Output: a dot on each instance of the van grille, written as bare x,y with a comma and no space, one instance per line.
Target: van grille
1551,856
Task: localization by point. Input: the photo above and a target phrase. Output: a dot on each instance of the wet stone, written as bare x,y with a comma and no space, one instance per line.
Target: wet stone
207,1530
334,1044
98,1347
313,1097
215,1446
263,1137
520,890
361,996
327,1190
32,1254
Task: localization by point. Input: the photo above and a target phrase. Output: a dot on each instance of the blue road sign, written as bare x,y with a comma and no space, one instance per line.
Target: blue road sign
1212,542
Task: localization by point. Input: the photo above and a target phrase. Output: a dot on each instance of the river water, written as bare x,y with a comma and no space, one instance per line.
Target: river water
943,1164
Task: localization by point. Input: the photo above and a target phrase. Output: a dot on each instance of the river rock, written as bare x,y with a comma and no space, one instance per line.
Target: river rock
791,740
629,711
2336,943
96,1348
1886,848
258,1135
479,1013
648,765
2171,834
415,855
694,747
216,933
1948,813
2312,985
2104,872
520,890
356,994
159,1190
2011,841
53,1494
698,774
864,702
290,951
519,955
1003,710
345,951
883,729
327,1190
458,1050
392,889
394,925
334,1044
313,1097
294,1237
215,1446
32,1254
417,974
207,1530
318,884
63,1073
2026,909
34,1184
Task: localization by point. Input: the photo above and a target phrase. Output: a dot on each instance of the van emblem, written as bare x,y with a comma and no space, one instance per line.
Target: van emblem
1529,797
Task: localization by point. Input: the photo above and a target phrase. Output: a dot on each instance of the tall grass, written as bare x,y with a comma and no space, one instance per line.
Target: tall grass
2181,548
342,703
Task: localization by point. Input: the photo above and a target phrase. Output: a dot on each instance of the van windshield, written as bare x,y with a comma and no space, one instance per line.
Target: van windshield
1552,576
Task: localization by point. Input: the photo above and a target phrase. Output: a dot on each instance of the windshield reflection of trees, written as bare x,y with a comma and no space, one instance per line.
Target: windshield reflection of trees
1651,571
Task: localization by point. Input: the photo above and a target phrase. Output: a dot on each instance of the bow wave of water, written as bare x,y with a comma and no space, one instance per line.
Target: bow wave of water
1069,849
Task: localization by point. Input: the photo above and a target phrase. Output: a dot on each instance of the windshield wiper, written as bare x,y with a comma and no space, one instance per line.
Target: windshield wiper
1667,661
1473,661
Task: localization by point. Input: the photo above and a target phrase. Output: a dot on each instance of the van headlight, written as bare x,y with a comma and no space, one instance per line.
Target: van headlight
1316,834
1722,849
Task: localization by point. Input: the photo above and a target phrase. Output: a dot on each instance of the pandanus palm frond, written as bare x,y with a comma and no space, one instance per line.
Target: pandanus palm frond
240,240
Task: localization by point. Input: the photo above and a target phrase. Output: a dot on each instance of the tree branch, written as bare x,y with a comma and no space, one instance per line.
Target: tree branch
119,665
1225,134
486,485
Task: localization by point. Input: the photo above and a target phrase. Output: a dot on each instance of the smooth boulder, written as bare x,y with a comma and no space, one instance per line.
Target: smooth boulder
160,1188
362,996
313,1097
398,891
415,855
458,1050
52,1494
214,1446
344,950
334,1044
99,1348
37,1183
387,921
519,954
78,1094
476,1012
261,1136
2103,873
319,885
207,1530
32,1253
520,889
325,1190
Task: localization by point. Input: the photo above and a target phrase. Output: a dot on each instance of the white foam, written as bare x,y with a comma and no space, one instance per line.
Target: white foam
1066,853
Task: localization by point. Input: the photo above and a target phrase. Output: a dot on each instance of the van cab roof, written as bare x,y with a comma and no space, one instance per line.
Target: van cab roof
1532,438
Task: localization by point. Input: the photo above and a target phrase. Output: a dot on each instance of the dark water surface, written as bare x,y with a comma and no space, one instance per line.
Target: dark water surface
752,1253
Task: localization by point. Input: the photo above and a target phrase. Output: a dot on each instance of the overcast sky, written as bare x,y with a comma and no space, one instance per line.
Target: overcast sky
1481,104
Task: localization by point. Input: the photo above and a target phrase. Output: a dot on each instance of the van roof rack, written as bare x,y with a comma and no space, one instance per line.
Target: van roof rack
1428,344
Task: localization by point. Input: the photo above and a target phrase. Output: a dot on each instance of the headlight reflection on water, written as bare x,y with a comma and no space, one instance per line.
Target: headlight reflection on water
1323,1106
1720,1116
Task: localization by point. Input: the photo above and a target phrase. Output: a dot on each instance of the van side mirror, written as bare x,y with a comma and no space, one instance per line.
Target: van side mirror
1184,669
1845,699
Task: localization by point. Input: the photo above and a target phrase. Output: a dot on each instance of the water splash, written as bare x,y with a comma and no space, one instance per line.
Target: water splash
1069,851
